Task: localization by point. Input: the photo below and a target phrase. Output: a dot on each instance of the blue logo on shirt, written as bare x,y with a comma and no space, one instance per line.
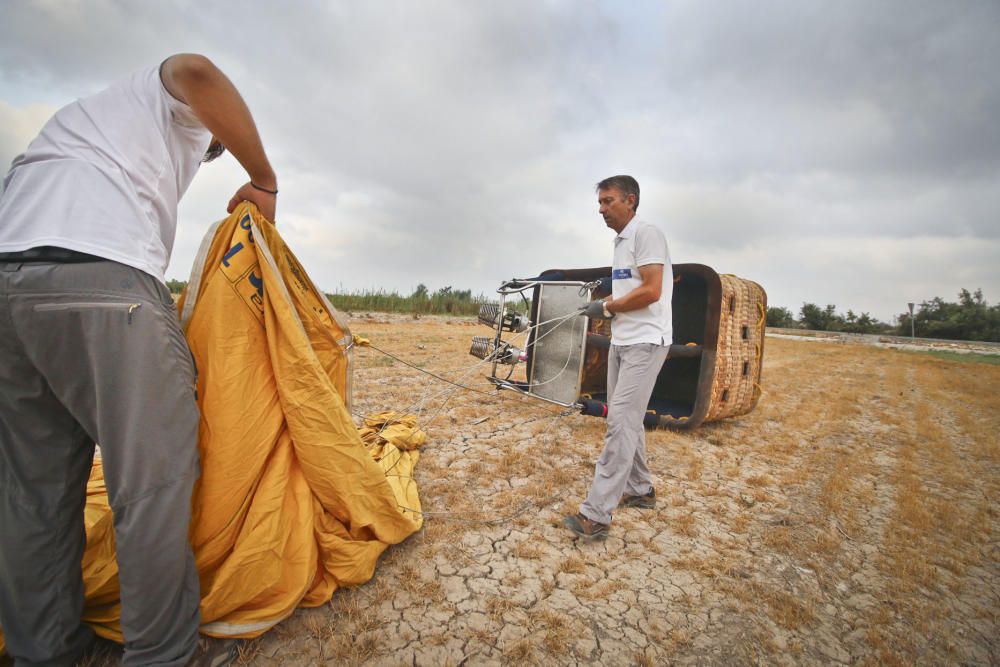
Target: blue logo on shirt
621,274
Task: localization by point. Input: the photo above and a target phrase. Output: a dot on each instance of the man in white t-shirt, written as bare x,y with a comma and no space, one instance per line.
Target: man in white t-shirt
641,334
91,351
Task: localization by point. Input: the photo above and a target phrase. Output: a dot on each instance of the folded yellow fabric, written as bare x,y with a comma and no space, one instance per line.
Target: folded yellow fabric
291,503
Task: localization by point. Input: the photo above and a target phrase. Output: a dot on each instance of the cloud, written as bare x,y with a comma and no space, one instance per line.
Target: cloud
875,275
451,143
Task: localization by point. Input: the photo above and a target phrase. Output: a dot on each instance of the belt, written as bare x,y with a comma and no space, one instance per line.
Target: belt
48,253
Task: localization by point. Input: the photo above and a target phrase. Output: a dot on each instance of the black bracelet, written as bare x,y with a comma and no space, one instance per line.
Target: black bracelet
257,187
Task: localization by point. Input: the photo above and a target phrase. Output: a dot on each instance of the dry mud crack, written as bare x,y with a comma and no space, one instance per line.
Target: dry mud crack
850,519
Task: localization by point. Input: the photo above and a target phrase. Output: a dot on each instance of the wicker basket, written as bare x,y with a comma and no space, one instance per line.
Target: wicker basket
714,367
740,350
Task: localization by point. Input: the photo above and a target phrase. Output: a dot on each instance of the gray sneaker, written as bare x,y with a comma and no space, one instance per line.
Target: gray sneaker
645,502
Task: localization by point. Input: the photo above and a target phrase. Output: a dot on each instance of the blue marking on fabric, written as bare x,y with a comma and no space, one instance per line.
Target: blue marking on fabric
621,274
256,282
232,251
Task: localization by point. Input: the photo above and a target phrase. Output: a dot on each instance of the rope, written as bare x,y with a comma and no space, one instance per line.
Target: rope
418,406
560,321
427,372
555,377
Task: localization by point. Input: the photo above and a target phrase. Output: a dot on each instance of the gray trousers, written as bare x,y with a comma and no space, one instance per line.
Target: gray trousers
94,352
632,371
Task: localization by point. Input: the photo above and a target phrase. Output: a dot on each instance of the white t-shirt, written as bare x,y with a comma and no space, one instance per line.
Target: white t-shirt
639,244
105,174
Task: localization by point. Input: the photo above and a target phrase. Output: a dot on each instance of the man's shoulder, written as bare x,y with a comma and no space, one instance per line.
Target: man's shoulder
141,91
647,231
139,81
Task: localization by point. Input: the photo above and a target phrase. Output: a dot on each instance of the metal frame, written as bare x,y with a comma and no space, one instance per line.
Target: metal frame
515,286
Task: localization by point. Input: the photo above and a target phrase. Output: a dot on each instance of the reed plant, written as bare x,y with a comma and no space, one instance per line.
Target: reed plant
442,302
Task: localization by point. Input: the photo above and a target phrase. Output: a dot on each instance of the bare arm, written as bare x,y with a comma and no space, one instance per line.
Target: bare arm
643,295
194,80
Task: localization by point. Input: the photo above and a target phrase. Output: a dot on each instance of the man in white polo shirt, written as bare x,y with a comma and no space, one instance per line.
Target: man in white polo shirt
91,350
641,334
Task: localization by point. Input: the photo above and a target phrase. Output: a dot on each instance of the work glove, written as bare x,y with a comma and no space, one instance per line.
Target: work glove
595,311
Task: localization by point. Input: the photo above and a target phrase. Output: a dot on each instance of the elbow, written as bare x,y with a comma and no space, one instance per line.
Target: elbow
191,67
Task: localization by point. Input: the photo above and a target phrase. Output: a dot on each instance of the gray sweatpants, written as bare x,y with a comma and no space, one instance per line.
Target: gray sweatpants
94,352
632,371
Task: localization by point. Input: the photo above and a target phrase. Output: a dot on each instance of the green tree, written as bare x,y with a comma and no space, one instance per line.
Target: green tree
971,318
863,323
779,316
820,319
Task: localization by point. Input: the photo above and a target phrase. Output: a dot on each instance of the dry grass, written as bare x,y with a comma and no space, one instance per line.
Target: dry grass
520,651
851,517
497,606
528,550
573,565
685,524
643,659
601,591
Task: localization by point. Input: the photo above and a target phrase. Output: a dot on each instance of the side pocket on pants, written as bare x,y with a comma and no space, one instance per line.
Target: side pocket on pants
128,308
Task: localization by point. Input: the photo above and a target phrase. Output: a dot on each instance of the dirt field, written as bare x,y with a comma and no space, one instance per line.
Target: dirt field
852,518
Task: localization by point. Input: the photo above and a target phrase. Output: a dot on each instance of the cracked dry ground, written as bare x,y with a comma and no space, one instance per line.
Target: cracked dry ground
851,518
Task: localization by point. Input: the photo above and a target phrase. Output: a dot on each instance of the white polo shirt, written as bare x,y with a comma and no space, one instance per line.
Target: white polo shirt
639,244
105,174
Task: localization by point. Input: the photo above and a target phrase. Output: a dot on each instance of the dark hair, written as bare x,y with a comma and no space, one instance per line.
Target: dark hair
624,184
215,149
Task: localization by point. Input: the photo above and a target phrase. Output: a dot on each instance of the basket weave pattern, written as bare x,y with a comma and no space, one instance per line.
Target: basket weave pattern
736,386
595,361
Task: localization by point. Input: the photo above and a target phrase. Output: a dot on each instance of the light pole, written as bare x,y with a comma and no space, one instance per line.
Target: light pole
911,320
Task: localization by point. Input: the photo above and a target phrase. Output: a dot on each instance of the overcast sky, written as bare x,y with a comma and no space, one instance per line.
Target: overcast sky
834,152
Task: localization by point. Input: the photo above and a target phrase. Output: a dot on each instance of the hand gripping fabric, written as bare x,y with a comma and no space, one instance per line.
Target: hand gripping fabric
291,503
